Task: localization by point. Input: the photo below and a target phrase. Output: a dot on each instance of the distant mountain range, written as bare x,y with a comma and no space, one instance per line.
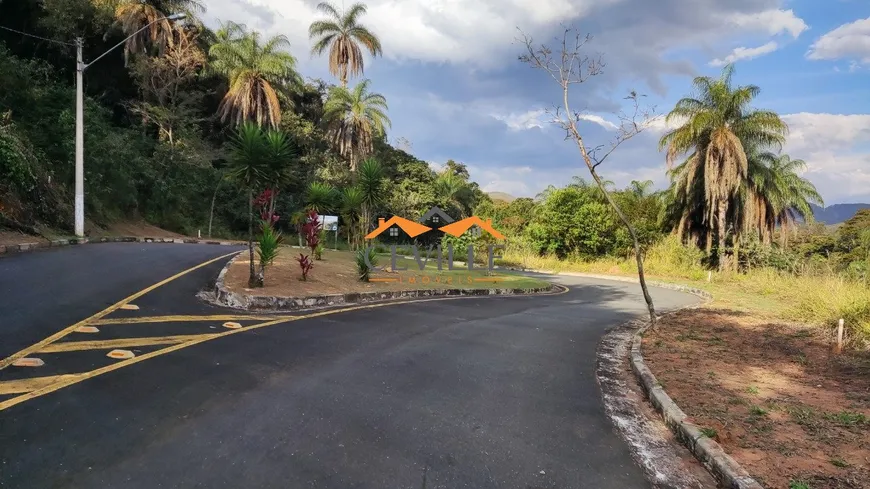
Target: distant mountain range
501,196
837,213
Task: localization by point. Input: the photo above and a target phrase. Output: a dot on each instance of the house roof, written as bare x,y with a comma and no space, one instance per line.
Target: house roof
459,227
435,210
410,228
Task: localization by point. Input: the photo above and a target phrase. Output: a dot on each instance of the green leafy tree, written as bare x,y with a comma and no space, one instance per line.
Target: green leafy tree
570,222
344,37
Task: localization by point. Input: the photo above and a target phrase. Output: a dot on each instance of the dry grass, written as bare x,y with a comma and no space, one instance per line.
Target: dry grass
819,300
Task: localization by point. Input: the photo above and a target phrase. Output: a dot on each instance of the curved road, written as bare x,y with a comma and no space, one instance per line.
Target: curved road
469,392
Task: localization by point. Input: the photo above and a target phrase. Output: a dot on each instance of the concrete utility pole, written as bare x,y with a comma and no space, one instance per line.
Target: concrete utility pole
80,120
80,143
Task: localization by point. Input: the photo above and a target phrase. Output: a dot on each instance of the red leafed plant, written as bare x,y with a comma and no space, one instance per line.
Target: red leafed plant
305,264
311,230
266,203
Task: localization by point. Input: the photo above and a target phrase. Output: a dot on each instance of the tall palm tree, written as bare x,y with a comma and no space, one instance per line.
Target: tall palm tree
355,118
258,72
133,15
775,195
342,35
248,168
717,127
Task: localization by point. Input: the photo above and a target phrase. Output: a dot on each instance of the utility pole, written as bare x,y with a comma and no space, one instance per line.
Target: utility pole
80,143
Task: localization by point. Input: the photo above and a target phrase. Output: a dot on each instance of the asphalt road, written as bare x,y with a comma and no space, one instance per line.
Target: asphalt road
470,392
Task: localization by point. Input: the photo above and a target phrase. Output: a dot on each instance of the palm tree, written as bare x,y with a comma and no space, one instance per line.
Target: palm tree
775,195
371,186
280,154
355,117
133,15
352,200
258,73
248,169
342,35
321,197
716,129
452,188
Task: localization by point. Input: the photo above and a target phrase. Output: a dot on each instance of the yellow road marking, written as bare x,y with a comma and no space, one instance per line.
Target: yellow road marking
182,319
60,334
28,385
115,366
119,343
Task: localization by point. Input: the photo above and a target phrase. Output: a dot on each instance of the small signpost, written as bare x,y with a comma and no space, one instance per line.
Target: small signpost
330,223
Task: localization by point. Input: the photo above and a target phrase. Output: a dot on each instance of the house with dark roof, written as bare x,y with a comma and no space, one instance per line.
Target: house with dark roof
475,224
434,218
397,230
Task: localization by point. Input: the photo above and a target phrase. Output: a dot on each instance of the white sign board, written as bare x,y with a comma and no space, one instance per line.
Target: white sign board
329,223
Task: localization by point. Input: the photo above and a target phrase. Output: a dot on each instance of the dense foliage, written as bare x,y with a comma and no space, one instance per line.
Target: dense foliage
161,118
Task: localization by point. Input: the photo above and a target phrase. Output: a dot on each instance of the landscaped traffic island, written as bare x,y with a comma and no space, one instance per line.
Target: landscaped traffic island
335,280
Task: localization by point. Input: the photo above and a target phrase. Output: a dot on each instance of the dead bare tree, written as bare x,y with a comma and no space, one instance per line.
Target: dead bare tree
572,67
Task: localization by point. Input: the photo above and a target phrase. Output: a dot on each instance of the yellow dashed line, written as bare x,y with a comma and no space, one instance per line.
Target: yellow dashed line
120,343
105,312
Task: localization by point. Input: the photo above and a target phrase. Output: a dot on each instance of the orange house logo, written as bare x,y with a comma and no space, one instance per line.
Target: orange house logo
414,229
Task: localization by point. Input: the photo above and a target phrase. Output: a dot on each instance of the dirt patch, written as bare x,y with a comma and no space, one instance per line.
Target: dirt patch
774,395
15,238
336,274
133,228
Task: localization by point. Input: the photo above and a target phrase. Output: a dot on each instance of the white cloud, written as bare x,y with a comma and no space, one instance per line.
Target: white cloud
849,41
522,121
836,148
771,21
606,124
746,53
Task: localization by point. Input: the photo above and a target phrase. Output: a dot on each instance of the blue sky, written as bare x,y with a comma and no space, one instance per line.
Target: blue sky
456,90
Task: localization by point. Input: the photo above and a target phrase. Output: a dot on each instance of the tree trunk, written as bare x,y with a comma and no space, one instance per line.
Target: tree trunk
736,252
213,198
252,276
709,247
641,275
723,259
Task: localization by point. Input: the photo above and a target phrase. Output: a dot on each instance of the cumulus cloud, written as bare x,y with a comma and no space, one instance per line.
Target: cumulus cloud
836,148
597,119
771,21
746,53
525,120
848,41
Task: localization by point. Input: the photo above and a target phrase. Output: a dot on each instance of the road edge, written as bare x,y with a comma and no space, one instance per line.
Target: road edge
714,458
15,249
234,300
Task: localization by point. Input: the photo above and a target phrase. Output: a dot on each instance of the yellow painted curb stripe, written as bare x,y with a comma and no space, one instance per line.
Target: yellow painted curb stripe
60,334
115,366
121,343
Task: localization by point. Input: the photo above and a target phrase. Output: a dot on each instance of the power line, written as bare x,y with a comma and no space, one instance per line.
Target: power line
37,37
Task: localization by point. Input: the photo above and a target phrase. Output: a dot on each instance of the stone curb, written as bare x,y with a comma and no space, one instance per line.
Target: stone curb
724,468
25,247
225,297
